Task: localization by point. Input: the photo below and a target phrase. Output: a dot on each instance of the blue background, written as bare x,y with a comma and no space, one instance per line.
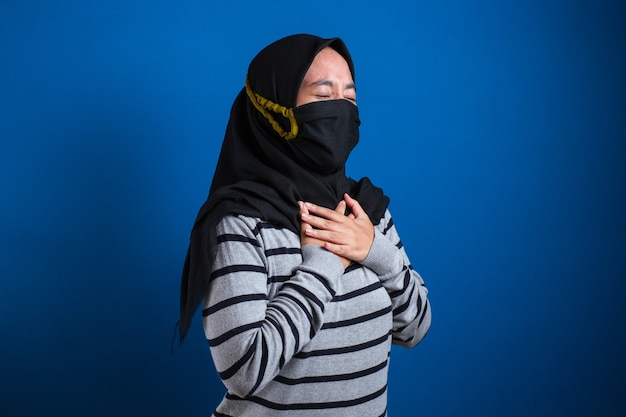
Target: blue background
497,127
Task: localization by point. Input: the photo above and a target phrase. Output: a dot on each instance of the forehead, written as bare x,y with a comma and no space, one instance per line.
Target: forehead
328,62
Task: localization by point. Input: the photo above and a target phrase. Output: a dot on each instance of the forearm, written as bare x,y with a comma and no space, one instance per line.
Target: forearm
250,334
406,289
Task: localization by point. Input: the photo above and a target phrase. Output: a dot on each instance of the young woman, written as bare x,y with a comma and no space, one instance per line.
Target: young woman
301,273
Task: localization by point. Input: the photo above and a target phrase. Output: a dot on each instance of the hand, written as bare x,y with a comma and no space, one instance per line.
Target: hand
350,236
308,239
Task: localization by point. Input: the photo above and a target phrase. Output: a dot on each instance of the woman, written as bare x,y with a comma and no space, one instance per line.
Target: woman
302,276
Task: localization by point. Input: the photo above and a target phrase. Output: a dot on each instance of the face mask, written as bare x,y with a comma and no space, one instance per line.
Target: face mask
327,132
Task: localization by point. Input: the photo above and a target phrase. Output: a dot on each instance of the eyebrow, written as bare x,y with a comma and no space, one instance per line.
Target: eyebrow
330,84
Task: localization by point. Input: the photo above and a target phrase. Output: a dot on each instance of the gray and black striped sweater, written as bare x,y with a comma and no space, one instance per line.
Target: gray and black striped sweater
294,334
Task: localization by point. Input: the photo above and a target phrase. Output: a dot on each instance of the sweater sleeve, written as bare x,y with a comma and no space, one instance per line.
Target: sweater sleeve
252,336
411,308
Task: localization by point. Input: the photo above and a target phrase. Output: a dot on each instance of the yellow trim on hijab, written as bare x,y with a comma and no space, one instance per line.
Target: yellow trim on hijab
263,105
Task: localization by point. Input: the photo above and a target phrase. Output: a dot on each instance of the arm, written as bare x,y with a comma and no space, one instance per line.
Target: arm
251,336
379,248
411,309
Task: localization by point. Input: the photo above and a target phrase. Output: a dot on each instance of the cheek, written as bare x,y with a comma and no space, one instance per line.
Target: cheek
300,100
305,98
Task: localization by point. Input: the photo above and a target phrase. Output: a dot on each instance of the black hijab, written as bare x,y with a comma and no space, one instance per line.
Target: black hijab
257,174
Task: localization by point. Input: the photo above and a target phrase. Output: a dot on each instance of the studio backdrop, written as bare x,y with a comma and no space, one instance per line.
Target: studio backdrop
497,128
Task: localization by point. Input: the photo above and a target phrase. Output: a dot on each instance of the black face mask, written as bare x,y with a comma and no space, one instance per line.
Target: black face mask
327,132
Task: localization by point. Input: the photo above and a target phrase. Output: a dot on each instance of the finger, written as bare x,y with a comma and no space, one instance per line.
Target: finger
355,207
330,236
303,213
341,208
320,223
324,212
334,248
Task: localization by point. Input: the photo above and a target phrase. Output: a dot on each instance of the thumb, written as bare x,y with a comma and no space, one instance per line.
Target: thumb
341,208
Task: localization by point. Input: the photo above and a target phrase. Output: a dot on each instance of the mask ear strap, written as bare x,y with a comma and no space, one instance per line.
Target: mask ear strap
264,106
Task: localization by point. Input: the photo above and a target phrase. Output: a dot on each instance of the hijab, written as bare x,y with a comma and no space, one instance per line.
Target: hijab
275,154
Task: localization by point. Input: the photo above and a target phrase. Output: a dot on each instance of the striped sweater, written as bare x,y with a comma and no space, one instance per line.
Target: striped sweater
294,334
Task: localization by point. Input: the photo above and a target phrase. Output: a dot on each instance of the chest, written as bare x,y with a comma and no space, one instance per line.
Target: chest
359,293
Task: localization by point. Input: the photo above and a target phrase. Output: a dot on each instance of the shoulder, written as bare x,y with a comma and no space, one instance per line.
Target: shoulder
239,224
268,234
